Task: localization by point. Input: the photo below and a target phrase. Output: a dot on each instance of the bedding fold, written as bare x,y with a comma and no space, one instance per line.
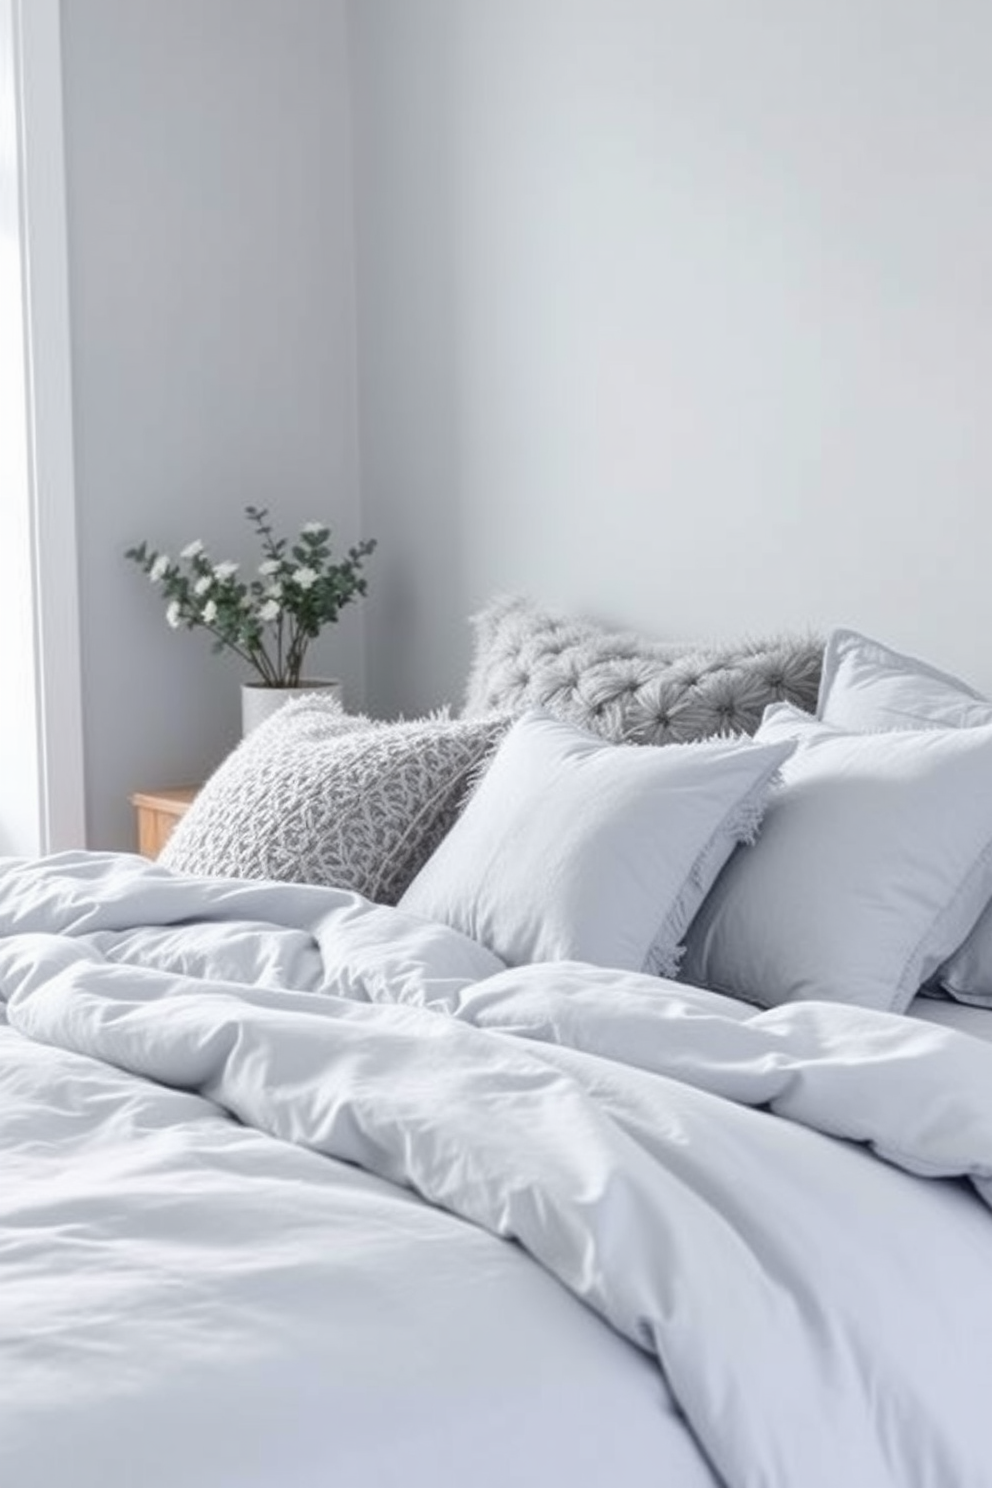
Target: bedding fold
672,1158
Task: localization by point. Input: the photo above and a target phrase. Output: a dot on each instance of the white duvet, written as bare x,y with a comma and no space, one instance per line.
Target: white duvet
242,1128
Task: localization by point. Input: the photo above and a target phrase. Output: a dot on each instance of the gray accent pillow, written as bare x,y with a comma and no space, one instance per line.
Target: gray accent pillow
627,687
316,796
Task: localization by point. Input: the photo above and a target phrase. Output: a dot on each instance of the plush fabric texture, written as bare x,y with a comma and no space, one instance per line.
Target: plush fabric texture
866,685
624,686
573,848
873,864
314,795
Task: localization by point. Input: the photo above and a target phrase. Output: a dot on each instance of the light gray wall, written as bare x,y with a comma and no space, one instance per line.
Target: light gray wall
212,305
676,313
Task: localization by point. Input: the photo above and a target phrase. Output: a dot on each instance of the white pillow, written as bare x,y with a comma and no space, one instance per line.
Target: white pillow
867,686
573,848
874,862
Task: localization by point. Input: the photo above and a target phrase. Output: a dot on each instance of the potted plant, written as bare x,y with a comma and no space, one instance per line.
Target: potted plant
269,619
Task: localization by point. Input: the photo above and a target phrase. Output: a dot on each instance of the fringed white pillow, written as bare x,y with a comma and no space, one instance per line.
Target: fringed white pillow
572,848
314,795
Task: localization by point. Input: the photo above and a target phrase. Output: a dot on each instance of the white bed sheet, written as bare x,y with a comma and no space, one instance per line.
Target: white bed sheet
961,1016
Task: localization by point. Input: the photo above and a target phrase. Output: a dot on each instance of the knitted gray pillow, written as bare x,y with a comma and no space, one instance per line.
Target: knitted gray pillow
313,795
625,686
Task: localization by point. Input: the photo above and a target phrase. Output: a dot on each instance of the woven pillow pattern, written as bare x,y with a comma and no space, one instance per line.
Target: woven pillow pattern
626,687
314,795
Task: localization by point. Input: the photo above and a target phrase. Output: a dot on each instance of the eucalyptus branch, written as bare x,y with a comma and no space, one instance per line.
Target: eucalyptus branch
270,620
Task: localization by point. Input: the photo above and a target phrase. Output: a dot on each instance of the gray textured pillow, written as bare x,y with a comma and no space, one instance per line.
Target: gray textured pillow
626,687
314,795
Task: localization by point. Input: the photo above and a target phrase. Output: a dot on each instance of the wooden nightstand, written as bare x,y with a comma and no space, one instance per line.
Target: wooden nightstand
157,813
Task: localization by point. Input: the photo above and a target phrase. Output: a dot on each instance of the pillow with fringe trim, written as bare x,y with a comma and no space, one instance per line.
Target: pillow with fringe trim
573,848
624,686
315,795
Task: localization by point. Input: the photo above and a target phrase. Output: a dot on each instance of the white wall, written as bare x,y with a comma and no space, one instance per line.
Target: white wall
676,313
211,276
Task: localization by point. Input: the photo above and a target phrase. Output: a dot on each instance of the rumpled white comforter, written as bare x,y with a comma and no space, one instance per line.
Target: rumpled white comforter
788,1210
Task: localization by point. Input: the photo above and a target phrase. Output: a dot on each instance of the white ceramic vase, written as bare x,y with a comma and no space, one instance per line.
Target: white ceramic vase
259,701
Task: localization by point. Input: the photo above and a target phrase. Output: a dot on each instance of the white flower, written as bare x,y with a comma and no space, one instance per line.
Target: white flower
269,611
305,578
209,612
313,529
202,584
159,567
270,566
225,570
193,549
174,614
274,591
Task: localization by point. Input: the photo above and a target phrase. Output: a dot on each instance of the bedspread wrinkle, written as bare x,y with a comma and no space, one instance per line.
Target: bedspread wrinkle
788,1210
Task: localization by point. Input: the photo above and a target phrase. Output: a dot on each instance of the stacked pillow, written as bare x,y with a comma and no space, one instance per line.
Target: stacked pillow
871,876
866,685
875,860
872,868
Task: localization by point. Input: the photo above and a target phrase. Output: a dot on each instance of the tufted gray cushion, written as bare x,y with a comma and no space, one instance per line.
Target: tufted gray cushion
624,686
314,795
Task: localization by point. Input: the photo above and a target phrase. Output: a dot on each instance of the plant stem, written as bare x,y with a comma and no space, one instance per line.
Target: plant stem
258,659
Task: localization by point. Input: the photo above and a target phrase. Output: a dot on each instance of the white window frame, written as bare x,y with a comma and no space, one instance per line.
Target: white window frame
50,485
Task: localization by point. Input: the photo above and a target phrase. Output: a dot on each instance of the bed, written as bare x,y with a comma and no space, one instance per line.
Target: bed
536,1165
